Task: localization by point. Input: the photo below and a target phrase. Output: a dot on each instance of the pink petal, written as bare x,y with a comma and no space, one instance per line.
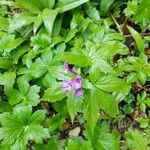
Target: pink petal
79,92
77,82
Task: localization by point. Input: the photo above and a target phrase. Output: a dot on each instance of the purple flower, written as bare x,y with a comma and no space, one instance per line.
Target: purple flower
67,69
66,87
79,92
75,84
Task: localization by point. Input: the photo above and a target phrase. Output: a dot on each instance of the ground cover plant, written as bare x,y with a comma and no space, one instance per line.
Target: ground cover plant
74,74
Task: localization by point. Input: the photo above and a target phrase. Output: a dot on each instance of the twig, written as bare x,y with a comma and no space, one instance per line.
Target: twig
115,21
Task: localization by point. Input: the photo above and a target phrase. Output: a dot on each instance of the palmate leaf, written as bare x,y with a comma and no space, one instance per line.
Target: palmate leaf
110,83
108,140
28,95
105,139
21,126
100,97
96,100
107,103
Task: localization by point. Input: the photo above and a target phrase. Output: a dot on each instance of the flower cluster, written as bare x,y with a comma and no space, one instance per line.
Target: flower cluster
75,84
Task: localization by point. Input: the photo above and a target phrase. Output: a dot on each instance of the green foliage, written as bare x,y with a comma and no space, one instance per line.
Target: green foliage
104,6
131,8
143,100
77,59
138,68
52,144
39,104
74,144
138,39
73,105
134,9
102,138
21,126
8,42
136,140
144,17
48,23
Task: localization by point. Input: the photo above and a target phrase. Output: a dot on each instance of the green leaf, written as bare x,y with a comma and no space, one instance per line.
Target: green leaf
143,18
74,144
71,34
57,27
5,63
138,39
20,21
37,23
77,59
52,144
91,11
107,103
104,6
131,8
103,65
73,104
8,42
53,94
21,126
108,140
135,140
14,96
38,68
72,5
5,107
33,96
49,18
26,94
48,3
7,79
41,40
56,122
29,5
91,109
144,122
16,54
4,23
109,83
